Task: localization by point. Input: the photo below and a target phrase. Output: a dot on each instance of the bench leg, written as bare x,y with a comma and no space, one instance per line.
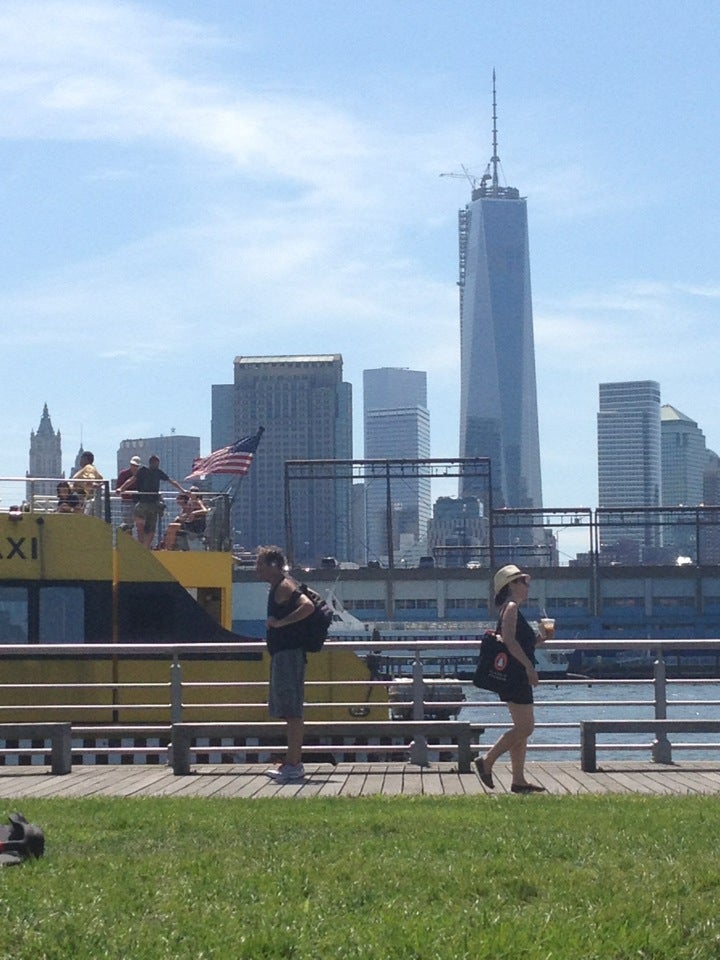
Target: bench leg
588,753
180,753
61,751
464,752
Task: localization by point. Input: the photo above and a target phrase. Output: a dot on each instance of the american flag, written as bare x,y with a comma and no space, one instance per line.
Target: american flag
235,459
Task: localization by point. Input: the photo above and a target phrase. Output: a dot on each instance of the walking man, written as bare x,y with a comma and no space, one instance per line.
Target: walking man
286,608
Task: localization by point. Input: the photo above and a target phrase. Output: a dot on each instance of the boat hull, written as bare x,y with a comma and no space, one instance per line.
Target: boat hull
72,579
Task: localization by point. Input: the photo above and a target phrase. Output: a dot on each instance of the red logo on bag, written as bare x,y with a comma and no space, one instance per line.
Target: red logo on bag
501,661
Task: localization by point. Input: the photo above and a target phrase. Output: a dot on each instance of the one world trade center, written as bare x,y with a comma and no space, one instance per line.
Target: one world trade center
498,393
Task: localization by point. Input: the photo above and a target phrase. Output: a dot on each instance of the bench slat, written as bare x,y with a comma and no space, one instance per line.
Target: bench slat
183,734
589,730
59,735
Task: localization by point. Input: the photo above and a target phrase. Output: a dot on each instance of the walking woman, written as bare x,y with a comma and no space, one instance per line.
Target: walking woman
511,587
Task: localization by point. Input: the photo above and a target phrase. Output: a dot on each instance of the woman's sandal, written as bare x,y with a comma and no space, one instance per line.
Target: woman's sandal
484,775
527,788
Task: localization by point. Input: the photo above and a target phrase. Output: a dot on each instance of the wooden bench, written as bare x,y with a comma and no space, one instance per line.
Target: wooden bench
94,732
589,730
184,735
59,735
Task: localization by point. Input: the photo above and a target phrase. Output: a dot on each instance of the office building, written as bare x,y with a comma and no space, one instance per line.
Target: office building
684,458
498,393
222,432
222,426
306,410
457,532
358,533
709,546
45,459
629,460
176,453
711,478
396,426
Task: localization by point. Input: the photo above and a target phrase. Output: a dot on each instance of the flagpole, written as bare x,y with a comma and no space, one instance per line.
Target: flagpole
230,492
234,459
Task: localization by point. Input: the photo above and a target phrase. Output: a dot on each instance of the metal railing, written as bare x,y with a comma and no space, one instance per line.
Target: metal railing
610,536
35,495
160,704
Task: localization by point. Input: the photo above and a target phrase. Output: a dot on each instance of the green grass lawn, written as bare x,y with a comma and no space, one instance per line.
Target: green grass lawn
507,877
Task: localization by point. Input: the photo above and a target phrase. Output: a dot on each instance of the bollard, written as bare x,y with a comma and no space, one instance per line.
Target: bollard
418,688
419,751
176,702
661,748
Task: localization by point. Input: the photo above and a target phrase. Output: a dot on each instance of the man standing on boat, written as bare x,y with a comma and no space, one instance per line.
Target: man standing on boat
128,507
146,494
287,607
86,480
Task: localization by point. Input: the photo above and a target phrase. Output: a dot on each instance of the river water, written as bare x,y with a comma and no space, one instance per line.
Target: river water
572,701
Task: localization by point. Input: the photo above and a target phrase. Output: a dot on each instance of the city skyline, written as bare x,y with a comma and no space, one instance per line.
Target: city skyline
184,183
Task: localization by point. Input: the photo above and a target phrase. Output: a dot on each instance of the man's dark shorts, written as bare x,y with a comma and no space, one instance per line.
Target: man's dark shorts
287,684
149,513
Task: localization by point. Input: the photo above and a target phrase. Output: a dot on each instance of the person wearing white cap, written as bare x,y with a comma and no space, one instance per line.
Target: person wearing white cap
510,589
127,503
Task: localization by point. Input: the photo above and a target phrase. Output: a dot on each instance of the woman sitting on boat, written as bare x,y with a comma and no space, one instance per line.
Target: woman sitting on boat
67,500
511,588
191,519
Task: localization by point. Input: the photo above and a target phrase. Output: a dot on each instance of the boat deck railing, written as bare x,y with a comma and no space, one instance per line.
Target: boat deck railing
39,496
561,704
608,537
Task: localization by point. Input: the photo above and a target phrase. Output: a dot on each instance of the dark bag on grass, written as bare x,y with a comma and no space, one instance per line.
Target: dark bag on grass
20,841
497,670
318,623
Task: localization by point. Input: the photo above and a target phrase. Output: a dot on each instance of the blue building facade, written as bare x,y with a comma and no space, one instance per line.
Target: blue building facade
396,425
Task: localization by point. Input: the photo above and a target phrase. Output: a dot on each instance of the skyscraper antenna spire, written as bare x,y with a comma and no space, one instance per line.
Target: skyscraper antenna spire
495,160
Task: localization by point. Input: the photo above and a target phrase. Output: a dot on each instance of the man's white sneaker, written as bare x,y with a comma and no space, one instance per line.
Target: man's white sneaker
287,773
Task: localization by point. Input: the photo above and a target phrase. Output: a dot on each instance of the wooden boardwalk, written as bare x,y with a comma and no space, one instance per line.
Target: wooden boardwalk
355,780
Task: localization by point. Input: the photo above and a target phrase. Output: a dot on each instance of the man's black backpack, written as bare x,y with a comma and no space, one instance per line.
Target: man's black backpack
20,841
318,623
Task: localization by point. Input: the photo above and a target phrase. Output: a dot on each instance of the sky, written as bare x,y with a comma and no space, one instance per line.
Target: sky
182,183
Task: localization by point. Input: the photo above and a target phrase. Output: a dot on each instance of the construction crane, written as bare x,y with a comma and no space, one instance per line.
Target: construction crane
476,183
488,184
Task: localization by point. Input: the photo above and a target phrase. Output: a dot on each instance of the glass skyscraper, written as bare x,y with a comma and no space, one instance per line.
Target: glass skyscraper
397,426
629,463
684,458
306,409
629,451
498,393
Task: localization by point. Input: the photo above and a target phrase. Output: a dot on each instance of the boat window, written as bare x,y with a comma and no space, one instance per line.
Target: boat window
62,615
565,603
416,604
673,601
465,603
13,615
364,604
